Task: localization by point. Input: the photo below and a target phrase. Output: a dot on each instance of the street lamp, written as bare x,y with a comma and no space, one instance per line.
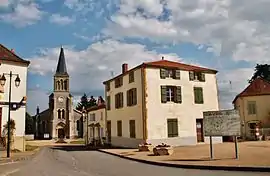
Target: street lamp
85,116
17,84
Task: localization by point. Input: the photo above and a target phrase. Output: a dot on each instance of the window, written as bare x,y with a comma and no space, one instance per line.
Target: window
169,73
63,114
172,125
132,129
198,95
108,87
66,85
171,94
119,100
132,97
92,117
131,77
197,76
108,103
118,82
59,114
252,108
119,128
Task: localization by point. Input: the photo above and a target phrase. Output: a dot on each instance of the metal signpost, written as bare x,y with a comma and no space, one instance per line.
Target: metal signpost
222,123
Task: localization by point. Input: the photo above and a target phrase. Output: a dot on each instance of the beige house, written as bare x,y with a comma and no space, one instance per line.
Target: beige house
96,123
253,107
160,102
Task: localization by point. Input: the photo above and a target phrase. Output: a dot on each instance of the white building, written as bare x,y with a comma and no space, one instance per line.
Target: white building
96,123
160,102
11,62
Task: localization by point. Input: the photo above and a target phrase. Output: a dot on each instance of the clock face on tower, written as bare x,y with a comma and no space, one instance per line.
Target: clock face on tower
60,99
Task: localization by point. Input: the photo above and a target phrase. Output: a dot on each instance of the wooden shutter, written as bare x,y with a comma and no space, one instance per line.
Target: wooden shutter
119,128
134,96
162,73
202,77
132,129
198,95
178,95
121,99
108,102
163,94
191,75
128,98
177,74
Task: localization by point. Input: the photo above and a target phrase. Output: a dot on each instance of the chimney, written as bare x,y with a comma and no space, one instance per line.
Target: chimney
37,110
12,50
100,101
124,68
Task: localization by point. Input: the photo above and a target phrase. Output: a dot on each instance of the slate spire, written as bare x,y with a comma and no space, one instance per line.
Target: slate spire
61,66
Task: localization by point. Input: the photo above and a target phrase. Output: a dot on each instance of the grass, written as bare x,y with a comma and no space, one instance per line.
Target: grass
77,142
30,147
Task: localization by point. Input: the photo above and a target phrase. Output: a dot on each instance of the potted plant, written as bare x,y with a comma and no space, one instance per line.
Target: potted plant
145,147
12,133
163,149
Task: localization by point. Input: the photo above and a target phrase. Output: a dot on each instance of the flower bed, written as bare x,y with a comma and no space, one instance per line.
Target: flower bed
145,147
163,149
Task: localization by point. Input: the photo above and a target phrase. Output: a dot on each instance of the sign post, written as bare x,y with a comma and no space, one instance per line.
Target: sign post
222,123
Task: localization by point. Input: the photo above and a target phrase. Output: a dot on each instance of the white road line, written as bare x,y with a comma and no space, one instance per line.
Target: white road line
12,162
10,172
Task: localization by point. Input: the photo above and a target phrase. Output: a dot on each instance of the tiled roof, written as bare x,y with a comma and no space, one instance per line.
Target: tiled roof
257,87
7,55
101,106
168,64
181,66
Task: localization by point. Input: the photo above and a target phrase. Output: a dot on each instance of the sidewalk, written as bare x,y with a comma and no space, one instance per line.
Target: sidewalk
16,156
252,156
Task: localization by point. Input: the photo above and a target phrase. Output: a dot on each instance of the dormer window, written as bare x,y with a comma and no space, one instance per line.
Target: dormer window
118,82
169,73
196,76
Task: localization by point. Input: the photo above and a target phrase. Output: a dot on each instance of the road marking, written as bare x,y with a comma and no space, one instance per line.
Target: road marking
10,172
12,162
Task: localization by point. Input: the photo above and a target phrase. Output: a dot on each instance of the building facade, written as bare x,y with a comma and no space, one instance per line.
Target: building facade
253,108
10,62
60,120
160,102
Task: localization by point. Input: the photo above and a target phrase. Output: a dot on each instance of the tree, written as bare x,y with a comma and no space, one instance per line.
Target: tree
29,122
261,71
85,103
92,102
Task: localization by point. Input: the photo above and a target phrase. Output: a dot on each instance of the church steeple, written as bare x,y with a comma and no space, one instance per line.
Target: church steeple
61,66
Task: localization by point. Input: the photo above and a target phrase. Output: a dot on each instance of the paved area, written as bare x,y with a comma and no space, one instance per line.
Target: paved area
75,161
250,154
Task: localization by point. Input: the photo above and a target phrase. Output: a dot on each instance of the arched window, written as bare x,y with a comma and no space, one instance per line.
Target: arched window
65,84
59,114
62,84
63,114
58,85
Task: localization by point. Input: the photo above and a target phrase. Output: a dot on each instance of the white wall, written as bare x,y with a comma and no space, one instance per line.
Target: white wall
99,118
187,112
126,113
17,95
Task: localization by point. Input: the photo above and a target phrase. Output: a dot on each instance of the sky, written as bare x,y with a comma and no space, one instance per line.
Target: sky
231,36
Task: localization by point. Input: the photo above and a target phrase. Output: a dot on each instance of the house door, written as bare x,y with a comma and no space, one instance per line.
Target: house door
0,121
109,131
61,133
199,129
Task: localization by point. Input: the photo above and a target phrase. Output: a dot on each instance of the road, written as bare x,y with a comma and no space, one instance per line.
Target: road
67,161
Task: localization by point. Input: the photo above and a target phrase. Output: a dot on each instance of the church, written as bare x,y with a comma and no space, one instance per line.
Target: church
60,120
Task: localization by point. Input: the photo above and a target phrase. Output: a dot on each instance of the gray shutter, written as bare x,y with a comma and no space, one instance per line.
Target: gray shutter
191,75
163,94
162,73
178,95
203,77
177,74
201,94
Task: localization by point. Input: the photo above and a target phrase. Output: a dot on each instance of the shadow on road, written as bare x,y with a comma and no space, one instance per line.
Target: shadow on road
72,148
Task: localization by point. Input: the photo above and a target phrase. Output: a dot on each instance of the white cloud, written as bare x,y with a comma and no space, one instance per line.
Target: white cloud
61,20
235,29
25,13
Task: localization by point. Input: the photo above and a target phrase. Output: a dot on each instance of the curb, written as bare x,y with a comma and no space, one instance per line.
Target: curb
200,167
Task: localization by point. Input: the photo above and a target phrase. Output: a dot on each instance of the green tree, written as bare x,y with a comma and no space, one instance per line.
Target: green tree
29,122
261,71
86,103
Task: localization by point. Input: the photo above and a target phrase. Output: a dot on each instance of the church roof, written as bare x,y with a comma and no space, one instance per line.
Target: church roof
61,66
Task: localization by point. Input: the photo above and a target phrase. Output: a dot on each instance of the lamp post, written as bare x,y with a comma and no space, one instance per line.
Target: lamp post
85,116
17,84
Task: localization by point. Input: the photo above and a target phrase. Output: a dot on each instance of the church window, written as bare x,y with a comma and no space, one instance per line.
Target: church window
63,113
58,85
59,114
65,84
61,84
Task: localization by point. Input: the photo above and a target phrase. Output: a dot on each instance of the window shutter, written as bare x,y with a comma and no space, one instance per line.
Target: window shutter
163,94
178,95
128,98
162,73
201,94
122,99
134,96
177,74
203,77
191,75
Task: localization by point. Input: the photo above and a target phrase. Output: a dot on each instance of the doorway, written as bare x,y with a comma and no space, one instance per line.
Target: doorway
61,133
199,130
109,131
0,122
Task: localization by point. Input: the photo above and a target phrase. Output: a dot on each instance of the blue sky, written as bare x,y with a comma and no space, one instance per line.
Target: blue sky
99,35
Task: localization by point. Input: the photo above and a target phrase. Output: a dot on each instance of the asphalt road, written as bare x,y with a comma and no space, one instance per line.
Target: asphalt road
66,161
